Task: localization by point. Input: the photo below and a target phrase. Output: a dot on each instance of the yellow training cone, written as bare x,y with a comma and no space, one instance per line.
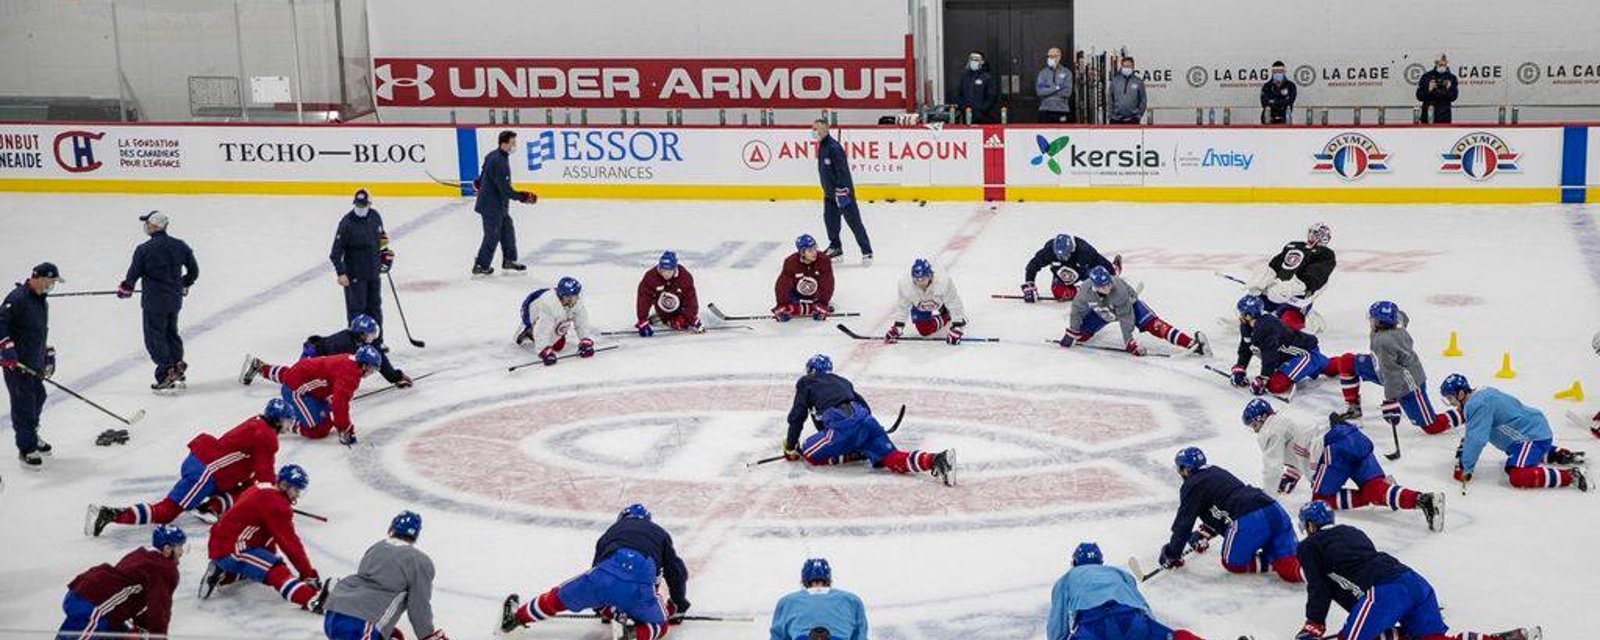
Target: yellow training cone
1505,367
1454,350
1574,394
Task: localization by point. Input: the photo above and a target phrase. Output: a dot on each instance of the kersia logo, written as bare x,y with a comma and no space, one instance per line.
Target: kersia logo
1480,156
1084,158
1048,151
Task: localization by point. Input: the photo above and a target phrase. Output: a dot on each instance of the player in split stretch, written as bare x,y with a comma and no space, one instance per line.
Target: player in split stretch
621,582
548,317
846,429
805,285
1386,599
216,471
1107,298
1405,384
394,577
1098,602
1331,456
929,302
1494,417
133,597
251,540
1069,259
1290,356
1258,534
364,330
1290,281
318,390
818,611
667,297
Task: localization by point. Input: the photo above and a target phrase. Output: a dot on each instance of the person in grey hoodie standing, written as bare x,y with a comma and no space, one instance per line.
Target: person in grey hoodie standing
394,576
1054,86
1125,95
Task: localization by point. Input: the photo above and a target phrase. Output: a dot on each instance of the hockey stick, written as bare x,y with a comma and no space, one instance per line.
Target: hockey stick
1101,347
395,293
1007,296
857,336
369,394
311,515
137,415
767,316
608,347
448,183
1231,278
624,333
892,428
1285,398
693,617
1394,430
75,294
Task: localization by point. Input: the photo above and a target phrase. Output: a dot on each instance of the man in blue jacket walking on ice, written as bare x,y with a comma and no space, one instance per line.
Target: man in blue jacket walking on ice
838,194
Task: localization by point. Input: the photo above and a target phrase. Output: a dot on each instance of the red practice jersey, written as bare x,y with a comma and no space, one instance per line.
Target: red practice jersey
668,297
262,518
806,281
248,452
332,379
142,584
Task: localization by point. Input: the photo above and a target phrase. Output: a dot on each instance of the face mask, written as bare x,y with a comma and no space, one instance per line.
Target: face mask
816,135
1053,62
1277,77
974,64
50,287
361,212
1127,71
1440,68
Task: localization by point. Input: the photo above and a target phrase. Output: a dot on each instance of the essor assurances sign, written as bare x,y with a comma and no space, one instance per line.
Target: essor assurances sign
857,83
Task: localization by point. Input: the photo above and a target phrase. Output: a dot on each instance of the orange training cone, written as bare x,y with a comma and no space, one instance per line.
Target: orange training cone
1505,367
1454,349
1575,393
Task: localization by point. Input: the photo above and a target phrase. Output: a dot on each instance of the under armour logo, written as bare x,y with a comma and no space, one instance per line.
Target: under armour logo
387,82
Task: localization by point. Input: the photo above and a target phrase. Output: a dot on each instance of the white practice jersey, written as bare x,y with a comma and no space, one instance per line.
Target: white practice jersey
940,294
551,321
1287,444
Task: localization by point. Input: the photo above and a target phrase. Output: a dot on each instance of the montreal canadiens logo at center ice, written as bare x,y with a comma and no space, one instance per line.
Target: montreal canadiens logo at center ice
1351,156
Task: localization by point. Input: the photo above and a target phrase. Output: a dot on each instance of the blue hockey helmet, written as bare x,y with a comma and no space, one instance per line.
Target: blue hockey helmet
1087,553
1063,246
568,287
407,525
668,261
1100,277
805,241
294,476
1255,410
1384,313
1453,384
167,535
819,363
364,325
635,511
369,356
1319,234
1190,459
816,570
1250,306
922,268
1316,513
276,411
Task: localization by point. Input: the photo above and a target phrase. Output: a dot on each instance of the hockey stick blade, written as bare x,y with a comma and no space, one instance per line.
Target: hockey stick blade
1394,430
564,356
856,336
898,417
1281,398
448,183
394,294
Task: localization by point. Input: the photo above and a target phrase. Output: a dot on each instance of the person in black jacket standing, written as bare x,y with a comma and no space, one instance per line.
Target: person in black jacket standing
27,358
979,92
838,194
1277,96
494,204
168,268
360,255
1437,90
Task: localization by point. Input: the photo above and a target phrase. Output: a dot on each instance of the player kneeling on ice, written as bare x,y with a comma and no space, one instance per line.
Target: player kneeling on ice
667,295
1386,599
1331,456
318,390
1107,298
819,611
621,583
363,331
1291,280
805,285
393,577
1097,602
931,303
1259,535
549,316
846,430
1405,384
216,471
133,597
1290,356
247,540
1494,417
1069,258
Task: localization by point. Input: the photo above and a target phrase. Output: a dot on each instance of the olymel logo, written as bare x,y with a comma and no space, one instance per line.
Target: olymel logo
1479,156
1351,156
419,80
1080,157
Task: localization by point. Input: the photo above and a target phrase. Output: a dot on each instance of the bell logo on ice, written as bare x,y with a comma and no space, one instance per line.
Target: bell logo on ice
1351,156
75,151
1480,156
387,82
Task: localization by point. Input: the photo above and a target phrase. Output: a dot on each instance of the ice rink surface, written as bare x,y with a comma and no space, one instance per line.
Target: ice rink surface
516,474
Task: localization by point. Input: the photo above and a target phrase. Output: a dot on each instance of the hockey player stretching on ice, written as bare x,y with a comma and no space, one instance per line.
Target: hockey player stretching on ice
133,597
846,430
1290,356
819,611
928,300
1096,602
621,583
1405,384
1332,456
1342,565
394,577
1493,417
805,285
318,390
1107,298
363,331
247,540
216,471
1259,535
548,317
1069,259
667,296
1289,282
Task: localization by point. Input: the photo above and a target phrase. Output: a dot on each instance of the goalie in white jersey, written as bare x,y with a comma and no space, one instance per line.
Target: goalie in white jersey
928,300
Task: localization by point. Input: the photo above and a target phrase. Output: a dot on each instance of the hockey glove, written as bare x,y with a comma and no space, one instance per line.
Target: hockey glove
1391,412
782,312
1312,631
645,329
820,312
585,348
308,350
1172,560
1134,348
1030,293
548,356
1258,385
677,611
1200,539
385,260
957,330
8,355
124,291
525,335
1116,265
404,382
1238,379
347,437
893,335
1069,339
842,197
1288,481
438,634
49,363
1461,476
527,197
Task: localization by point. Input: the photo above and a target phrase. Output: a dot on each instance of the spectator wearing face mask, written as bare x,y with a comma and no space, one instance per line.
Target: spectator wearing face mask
1277,96
1436,90
1125,95
1054,86
360,253
979,91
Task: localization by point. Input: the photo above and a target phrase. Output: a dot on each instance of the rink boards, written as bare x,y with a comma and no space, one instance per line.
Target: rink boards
1402,164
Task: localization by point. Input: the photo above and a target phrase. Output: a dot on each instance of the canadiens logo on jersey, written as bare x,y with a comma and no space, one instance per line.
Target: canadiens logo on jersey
1351,156
1067,275
806,286
929,305
668,302
1293,258
1479,156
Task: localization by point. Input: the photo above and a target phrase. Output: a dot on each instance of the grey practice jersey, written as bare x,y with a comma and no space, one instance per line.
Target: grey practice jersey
1397,361
1116,306
394,577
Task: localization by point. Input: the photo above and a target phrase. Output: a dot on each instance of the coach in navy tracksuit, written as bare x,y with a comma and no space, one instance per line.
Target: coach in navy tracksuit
24,339
494,204
360,254
838,194
167,268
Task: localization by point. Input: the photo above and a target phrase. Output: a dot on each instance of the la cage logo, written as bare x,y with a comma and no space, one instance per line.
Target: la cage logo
1351,156
75,151
418,81
1479,156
